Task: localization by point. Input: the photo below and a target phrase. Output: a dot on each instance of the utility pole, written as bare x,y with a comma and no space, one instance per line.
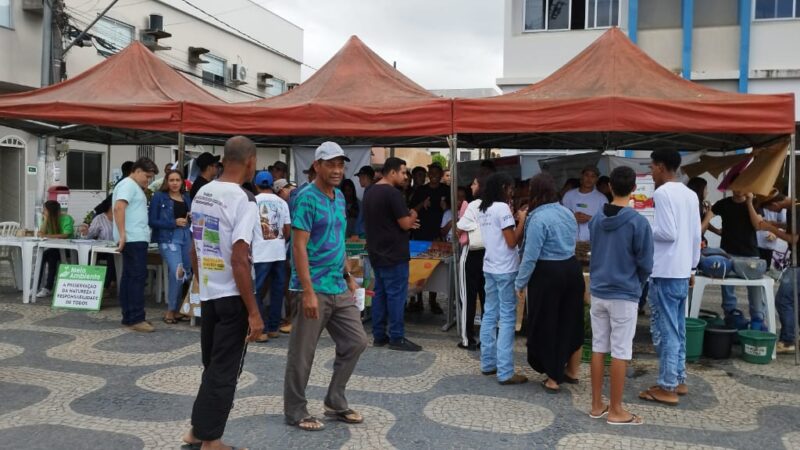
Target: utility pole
46,77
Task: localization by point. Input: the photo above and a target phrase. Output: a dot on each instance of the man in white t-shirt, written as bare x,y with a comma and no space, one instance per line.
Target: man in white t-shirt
269,252
585,201
224,218
676,251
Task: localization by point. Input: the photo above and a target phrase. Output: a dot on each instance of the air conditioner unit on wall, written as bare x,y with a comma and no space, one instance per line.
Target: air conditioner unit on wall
154,32
262,79
238,74
34,6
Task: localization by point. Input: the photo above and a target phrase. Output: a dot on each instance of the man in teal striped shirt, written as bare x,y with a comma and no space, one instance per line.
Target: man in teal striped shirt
322,294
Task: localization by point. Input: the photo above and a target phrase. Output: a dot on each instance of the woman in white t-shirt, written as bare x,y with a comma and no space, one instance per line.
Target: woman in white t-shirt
501,234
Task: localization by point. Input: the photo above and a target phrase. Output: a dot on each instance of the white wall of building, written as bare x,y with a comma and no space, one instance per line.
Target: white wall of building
21,49
274,46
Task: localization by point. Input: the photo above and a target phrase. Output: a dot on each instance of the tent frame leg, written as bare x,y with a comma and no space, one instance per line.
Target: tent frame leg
452,142
181,152
792,192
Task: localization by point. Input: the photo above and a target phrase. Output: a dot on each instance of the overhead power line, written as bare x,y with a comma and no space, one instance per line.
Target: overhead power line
272,49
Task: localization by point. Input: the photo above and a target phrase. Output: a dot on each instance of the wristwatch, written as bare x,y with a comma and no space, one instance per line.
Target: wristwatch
346,275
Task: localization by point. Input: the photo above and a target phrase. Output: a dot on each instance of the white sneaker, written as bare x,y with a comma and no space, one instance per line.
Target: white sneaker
43,293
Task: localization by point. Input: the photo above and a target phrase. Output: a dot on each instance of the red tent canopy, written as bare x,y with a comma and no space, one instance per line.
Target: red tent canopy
133,89
355,97
612,95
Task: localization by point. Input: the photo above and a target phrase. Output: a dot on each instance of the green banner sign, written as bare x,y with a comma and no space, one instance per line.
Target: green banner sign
79,287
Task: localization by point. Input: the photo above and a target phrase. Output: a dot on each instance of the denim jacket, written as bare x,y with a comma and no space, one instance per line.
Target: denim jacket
550,234
162,217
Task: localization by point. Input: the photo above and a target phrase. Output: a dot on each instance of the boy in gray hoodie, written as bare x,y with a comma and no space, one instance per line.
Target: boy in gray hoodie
622,259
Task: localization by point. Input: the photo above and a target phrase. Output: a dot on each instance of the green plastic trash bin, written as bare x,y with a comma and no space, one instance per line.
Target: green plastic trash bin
757,346
695,329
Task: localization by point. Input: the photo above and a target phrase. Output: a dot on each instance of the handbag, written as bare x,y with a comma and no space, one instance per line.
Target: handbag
475,237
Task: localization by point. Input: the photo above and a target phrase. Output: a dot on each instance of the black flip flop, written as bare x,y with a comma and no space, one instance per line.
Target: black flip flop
570,380
548,389
309,419
342,415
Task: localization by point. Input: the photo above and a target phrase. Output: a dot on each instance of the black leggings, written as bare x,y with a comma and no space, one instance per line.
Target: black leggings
473,269
51,258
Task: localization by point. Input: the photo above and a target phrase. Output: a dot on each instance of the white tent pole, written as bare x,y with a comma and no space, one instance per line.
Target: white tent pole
793,195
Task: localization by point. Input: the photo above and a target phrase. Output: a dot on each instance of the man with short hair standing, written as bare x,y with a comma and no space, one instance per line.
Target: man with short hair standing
388,222
321,283
209,169
585,201
224,218
676,244
132,233
622,259
427,201
366,178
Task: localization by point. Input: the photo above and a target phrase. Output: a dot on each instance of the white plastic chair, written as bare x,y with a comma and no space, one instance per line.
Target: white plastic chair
9,229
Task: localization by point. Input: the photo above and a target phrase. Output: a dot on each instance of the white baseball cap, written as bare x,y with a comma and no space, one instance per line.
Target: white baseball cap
329,150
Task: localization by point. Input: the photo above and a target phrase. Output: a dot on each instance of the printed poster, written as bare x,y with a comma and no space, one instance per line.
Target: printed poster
79,287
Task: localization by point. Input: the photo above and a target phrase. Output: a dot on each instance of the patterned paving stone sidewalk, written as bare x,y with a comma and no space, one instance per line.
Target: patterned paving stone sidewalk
78,380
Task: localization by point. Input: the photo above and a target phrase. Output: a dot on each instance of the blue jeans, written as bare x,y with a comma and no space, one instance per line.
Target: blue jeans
497,348
179,265
784,303
276,272
755,296
389,302
668,329
134,276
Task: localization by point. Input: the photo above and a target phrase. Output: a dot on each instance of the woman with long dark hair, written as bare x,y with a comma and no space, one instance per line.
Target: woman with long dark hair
54,226
501,234
352,206
554,279
169,220
471,265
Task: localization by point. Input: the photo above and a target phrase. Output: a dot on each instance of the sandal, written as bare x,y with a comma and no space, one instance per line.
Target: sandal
346,415
634,420
599,416
309,423
569,380
650,396
550,390
170,321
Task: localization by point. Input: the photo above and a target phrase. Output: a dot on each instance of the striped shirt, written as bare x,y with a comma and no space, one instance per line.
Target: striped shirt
101,228
324,219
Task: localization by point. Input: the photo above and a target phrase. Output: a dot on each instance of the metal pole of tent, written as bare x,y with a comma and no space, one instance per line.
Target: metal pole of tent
793,195
181,152
454,207
292,174
108,167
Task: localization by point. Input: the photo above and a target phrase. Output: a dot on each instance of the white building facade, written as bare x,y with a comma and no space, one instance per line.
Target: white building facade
734,45
237,50
748,46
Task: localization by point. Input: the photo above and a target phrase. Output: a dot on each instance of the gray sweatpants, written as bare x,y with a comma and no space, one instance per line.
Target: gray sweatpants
339,315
